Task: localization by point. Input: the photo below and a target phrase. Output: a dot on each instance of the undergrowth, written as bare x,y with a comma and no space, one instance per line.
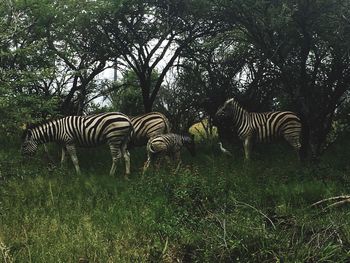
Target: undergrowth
213,209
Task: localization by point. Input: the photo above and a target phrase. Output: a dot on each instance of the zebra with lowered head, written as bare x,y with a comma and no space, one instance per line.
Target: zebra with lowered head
168,144
261,127
113,128
147,126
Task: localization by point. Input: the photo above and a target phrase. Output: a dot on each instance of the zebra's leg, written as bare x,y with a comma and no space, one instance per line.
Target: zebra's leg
73,155
126,156
147,163
63,154
177,158
247,147
159,158
169,158
294,141
115,152
49,157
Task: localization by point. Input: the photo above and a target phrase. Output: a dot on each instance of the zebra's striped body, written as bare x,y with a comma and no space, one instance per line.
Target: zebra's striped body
113,128
147,126
168,144
262,127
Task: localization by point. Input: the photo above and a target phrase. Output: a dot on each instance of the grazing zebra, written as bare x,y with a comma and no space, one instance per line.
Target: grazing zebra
261,127
147,126
168,144
113,128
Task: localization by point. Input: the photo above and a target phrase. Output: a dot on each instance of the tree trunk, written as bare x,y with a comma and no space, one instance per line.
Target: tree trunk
147,105
315,128
146,98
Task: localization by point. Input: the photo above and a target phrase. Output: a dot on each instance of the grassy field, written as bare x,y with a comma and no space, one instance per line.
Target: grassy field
214,209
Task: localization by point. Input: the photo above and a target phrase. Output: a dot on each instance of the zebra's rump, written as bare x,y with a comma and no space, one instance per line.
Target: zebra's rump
147,126
277,124
163,143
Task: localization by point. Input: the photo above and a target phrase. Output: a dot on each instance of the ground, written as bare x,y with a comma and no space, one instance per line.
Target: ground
213,209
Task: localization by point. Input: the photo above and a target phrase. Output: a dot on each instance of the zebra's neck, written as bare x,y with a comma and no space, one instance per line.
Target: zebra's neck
47,132
240,115
240,118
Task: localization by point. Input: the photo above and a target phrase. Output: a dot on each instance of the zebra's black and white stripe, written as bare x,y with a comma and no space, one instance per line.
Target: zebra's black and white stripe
147,126
113,128
168,144
261,127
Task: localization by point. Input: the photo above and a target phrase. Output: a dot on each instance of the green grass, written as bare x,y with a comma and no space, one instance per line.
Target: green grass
214,209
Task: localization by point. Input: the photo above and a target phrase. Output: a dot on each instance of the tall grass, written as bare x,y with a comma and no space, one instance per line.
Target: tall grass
214,209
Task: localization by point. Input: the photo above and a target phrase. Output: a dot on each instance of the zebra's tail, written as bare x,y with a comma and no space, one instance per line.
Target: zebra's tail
303,151
167,124
131,132
149,147
128,138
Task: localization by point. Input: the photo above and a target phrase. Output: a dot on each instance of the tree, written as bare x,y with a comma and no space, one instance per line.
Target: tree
307,44
219,68
72,34
149,33
45,70
179,105
25,63
127,97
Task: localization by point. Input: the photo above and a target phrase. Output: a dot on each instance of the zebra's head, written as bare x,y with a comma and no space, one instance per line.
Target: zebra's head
189,144
29,145
226,111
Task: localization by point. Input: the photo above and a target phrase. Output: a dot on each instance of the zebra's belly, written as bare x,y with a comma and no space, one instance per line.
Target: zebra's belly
89,145
88,142
265,133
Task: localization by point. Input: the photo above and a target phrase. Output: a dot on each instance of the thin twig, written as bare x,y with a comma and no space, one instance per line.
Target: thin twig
331,199
257,210
336,204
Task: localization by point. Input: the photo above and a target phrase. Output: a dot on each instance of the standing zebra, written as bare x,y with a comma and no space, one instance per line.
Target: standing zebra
261,127
114,128
147,126
168,144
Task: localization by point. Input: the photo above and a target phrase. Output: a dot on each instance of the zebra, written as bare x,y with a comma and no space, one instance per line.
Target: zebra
113,128
168,144
147,126
261,127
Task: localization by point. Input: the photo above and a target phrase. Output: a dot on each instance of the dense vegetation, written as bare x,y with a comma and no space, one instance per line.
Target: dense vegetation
213,209
183,58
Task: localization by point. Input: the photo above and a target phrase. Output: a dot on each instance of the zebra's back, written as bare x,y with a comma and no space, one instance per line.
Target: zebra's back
96,129
271,125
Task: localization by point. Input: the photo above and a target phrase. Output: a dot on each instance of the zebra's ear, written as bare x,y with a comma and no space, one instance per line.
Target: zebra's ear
27,132
24,126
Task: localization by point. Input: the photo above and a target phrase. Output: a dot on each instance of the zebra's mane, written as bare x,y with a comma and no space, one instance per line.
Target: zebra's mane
32,126
233,102
40,123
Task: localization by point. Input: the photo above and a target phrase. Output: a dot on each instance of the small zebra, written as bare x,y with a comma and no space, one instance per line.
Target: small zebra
113,128
168,144
147,126
261,127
